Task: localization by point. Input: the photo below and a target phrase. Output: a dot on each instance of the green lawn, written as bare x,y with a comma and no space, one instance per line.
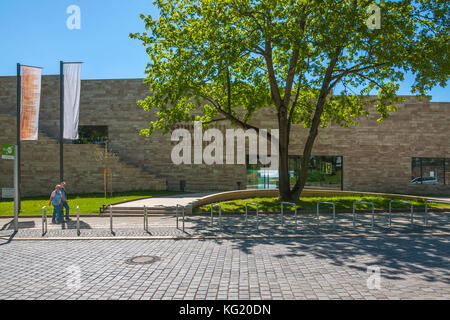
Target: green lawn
343,202
89,203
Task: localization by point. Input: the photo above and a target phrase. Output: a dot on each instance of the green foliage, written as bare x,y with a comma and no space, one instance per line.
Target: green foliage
310,203
232,57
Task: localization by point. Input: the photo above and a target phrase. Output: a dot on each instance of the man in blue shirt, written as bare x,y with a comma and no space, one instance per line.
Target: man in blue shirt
56,202
64,200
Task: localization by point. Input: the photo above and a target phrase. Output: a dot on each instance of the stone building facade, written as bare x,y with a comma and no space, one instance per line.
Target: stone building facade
375,156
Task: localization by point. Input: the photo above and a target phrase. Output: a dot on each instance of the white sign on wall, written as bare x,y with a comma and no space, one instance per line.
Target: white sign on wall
7,192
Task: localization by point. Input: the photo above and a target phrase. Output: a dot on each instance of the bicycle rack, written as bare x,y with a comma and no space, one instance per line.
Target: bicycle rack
145,218
257,213
363,202
44,220
176,213
282,211
334,211
404,202
426,208
220,213
78,220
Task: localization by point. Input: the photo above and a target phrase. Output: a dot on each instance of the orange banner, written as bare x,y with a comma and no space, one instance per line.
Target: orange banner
30,101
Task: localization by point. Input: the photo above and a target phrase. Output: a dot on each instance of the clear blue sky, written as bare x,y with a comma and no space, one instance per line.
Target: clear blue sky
34,32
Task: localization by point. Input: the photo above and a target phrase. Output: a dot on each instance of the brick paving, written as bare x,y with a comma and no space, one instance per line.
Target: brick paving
312,261
298,268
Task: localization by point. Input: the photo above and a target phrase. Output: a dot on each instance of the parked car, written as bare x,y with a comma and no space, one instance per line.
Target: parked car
425,180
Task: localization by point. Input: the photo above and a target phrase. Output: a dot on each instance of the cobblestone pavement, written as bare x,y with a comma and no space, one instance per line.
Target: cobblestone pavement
230,226
268,268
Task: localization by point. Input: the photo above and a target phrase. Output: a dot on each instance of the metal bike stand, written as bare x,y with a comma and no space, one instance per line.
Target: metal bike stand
78,220
363,202
44,220
220,213
183,218
404,202
426,208
334,211
257,213
282,211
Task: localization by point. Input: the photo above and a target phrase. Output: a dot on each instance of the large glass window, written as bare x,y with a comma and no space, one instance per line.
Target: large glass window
429,171
324,172
92,135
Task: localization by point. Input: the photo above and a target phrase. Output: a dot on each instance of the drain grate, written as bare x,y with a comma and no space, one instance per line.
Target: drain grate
143,260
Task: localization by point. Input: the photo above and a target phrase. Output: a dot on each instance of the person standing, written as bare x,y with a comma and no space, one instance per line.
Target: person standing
64,200
56,202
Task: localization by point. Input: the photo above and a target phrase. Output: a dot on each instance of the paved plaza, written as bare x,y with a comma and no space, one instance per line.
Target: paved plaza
228,258
297,268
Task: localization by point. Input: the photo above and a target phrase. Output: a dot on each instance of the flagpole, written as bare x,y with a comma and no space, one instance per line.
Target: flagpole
61,121
17,178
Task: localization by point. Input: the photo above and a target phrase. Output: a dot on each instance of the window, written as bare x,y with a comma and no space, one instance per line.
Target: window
431,171
324,172
92,135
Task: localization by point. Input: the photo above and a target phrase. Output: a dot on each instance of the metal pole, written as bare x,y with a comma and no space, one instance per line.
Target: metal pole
78,220
176,213
390,209
17,152
16,192
212,204
145,219
61,120
183,218
353,214
110,218
426,213
44,220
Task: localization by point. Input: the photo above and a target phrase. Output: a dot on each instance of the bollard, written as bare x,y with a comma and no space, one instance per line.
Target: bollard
44,220
110,219
176,214
78,220
183,218
145,219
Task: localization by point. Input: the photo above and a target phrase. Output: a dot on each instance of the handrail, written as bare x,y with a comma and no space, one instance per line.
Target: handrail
282,211
404,202
334,211
257,212
44,220
363,202
426,207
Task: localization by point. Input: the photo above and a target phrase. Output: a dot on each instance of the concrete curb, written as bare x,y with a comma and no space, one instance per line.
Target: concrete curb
355,235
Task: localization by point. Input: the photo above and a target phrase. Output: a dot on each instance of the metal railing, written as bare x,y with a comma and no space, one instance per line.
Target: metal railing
78,220
145,218
282,211
177,214
404,202
220,213
334,211
44,220
257,212
363,202
426,208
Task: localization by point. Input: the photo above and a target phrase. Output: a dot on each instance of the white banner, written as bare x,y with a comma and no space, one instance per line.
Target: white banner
72,86
30,101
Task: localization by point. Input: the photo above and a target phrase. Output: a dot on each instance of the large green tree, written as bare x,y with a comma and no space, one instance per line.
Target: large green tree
314,62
